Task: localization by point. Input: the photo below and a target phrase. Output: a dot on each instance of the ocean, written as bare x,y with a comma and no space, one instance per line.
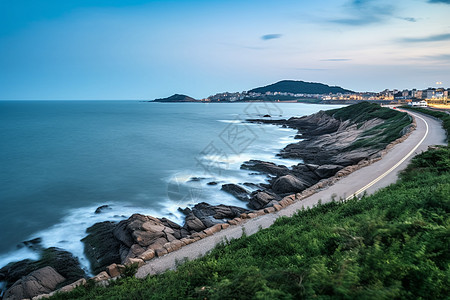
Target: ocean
60,160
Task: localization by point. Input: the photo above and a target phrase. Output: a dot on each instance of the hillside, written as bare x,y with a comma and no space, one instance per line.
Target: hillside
300,87
176,98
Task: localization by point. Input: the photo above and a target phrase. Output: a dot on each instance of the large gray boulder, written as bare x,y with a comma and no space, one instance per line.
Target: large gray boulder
326,171
236,190
288,184
261,199
42,281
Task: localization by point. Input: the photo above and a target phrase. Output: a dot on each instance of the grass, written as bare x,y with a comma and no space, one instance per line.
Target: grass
393,126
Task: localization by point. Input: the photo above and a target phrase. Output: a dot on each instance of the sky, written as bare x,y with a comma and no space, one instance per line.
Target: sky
136,49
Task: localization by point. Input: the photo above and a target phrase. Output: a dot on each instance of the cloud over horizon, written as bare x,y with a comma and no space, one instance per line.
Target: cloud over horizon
431,38
439,1
271,36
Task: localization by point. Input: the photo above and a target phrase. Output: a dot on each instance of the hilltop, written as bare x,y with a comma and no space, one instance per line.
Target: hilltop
300,87
176,98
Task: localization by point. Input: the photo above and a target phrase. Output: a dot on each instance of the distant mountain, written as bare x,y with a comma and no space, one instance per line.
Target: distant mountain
176,98
300,87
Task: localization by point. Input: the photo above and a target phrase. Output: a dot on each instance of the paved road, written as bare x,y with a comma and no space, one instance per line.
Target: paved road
380,174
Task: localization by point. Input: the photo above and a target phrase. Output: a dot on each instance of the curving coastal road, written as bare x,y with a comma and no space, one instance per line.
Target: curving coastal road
368,179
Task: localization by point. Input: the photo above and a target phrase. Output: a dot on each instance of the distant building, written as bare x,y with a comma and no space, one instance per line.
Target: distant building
421,103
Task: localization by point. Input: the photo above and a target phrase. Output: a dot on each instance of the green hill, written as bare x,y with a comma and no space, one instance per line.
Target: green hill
300,87
176,98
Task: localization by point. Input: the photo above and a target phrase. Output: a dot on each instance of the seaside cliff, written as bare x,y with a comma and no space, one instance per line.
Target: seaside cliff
331,144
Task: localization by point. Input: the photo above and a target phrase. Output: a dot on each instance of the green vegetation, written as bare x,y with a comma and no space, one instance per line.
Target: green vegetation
437,114
393,244
300,87
380,136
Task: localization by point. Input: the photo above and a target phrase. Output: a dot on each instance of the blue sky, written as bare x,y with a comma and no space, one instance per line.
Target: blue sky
137,49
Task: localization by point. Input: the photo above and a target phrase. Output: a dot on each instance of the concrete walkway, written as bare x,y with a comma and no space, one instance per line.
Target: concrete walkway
369,179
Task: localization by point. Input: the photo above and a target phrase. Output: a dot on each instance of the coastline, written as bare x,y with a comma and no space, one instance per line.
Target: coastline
236,218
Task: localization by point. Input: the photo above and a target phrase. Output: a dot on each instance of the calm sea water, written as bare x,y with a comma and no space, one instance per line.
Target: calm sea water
60,160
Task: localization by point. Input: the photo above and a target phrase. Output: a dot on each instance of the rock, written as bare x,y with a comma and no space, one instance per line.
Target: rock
70,287
265,167
102,276
147,255
196,179
204,215
260,199
41,281
132,261
101,246
326,171
193,224
266,116
288,184
212,183
102,208
237,191
113,270
146,238
34,244
62,261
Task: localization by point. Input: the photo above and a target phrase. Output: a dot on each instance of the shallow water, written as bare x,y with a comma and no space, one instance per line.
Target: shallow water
60,160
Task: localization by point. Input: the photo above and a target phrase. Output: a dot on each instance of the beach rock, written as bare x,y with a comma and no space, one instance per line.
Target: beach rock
101,247
288,184
260,199
102,208
265,167
33,244
60,260
237,191
212,183
326,171
204,215
41,281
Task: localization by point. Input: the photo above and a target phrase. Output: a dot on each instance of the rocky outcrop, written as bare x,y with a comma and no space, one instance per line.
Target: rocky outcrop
141,238
289,184
61,261
237,191
101,246
261,199
265,167
41,281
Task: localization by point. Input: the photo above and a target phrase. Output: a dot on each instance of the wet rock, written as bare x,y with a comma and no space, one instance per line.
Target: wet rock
41,281
265,167
34,244
62,261
101,247
212,183
102,208
237,191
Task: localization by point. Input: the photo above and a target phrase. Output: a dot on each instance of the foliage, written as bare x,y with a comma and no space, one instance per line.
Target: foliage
393,126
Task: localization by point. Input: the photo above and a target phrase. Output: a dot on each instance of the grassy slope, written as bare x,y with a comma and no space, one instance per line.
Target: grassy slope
393,244
381,135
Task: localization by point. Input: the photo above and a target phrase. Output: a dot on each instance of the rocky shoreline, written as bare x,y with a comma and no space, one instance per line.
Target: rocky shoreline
325,148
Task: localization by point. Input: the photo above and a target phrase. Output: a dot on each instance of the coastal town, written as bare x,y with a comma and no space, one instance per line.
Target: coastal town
415,97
